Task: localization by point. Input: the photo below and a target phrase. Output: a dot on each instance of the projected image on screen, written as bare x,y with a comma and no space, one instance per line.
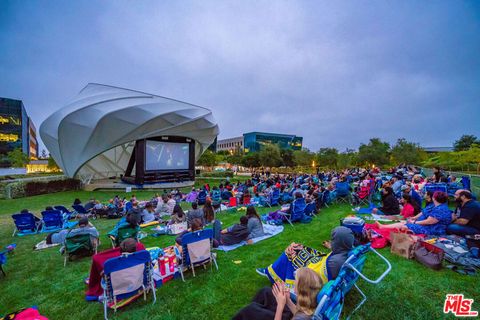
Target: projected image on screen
166,156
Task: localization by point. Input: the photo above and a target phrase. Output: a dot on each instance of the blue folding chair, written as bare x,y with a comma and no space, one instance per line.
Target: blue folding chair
202,197
352,270
26,223
310,209
66,213
296,212
3,260
272,199
342,192
126,278
216,198
196,250
326,198
52,221
432,187
79,209
466,183
331,300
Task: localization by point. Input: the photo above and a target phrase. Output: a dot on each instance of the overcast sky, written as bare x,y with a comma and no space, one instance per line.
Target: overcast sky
335,72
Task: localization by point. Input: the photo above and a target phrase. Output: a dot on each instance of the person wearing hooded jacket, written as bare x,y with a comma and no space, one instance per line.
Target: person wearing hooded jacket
327,266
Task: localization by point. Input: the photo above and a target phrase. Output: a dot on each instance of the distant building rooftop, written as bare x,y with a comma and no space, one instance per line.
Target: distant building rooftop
438,149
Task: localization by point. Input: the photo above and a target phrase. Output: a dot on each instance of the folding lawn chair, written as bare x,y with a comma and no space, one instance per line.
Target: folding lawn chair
326,198
232,202
310,209
52,221
26,223
216,199
66,213
330,301
331,298
342,192
123,232
3,260
125,279
79,245
246,199
436,187
296,212
466,183
79,209
196,251
202,197
353,267
273,198
364,195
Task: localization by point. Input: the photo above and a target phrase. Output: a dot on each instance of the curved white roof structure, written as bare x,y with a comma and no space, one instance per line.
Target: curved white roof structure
93,136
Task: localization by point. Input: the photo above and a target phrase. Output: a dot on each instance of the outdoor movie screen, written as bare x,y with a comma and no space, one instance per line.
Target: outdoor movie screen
166,156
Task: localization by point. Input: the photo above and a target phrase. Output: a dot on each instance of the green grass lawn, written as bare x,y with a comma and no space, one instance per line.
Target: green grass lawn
410,291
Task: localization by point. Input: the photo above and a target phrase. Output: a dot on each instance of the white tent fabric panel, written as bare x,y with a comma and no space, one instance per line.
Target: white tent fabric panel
93,136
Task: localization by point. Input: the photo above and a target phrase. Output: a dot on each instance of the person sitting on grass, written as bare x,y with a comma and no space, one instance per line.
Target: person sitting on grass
409,208
195,213
83,227
467,221
407,189
178,216
235,234
327,266
148,213
433,222
390,204
254,226
269,303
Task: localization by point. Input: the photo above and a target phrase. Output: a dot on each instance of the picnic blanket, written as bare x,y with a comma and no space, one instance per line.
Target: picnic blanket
98,260
457,252
379,217
270,231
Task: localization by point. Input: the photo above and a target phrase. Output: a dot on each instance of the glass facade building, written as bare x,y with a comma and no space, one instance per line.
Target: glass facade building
16,130
253,141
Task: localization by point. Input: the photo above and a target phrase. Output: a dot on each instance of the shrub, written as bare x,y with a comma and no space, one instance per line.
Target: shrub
217,174
34,188
21,189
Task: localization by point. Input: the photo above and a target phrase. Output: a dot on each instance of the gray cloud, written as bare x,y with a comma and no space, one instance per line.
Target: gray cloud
336,73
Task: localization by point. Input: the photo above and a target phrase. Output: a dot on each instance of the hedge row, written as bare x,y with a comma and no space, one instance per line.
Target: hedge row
32,188
216,174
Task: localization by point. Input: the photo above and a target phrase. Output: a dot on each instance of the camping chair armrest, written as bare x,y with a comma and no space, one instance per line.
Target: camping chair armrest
380,278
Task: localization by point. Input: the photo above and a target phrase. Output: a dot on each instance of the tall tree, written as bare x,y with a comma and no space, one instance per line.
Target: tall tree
303,157
270,156
327,157
347,159
465,142
208,159
375,152
287,157
251,159
407,152
17,158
